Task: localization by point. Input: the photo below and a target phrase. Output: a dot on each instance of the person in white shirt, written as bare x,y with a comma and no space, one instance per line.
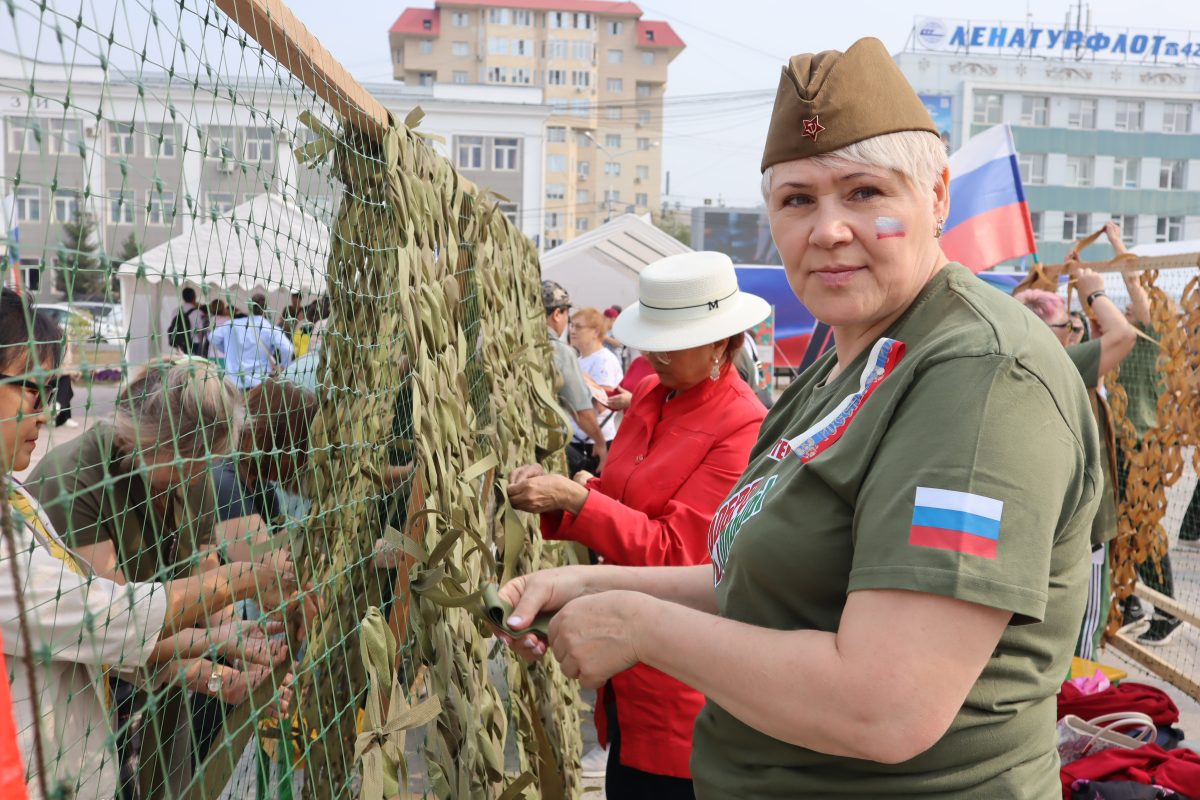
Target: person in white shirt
601,369
80,626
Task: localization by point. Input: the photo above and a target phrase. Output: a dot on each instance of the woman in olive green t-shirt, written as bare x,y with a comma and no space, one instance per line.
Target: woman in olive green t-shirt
899,576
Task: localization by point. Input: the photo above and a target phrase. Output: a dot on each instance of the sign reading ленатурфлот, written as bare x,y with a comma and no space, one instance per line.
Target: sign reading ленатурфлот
1050,40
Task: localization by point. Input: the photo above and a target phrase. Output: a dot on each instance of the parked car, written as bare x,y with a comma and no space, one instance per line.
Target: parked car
109,319
79,324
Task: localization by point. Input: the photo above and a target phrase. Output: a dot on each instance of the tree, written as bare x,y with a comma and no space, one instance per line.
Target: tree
80,267
131,249
671,224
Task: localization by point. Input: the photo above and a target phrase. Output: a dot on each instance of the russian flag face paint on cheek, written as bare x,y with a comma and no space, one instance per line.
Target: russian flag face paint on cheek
888,228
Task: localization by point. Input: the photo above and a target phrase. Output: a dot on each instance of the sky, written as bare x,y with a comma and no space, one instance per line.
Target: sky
711,146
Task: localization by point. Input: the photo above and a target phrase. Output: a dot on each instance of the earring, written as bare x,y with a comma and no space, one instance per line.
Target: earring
941,223
715,375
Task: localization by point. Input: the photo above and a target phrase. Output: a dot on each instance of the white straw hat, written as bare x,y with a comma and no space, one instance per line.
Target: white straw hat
686,301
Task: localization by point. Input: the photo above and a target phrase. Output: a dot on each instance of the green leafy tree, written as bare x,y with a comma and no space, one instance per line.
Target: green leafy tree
81,270
676,227
131,248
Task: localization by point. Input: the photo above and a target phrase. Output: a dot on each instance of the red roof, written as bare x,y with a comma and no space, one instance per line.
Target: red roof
414,20
582,6
657,34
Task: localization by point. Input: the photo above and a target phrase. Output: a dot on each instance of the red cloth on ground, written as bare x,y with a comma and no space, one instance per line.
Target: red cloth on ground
668,470
12,765
639,369
1149,764
1125,696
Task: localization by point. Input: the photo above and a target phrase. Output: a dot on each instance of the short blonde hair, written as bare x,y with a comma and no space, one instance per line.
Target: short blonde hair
917,155
181,403
591,318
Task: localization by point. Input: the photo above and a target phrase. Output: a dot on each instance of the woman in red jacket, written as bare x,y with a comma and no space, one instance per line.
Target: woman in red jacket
681,447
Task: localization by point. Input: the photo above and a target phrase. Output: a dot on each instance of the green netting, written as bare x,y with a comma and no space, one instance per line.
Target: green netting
364,360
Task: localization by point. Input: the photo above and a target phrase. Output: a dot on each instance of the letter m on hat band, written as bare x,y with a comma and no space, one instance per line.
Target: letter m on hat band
829,100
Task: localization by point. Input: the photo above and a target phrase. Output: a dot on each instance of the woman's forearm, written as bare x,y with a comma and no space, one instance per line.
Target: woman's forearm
686,586
191,600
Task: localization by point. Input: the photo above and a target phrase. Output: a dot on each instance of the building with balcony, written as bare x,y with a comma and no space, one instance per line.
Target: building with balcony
603,70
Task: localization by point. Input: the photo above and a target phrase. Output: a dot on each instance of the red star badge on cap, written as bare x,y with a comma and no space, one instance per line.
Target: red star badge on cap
812,128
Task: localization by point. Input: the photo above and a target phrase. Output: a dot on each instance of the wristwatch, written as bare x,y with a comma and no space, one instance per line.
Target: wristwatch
1091,298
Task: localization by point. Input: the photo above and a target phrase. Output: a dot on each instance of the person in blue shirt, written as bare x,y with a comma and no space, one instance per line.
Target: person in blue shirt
251,346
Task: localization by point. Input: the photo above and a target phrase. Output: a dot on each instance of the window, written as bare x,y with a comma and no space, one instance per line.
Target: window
497,46
522,47
460,19
1035,111
425,47
504,154
553,242
509,210
583,22
648,58
1129,115
643,118
1081,113
583,196
1168,229
616,85
1170,175
641,199
470,152
583,139
427,78
460,48
558,19
556,163
1125,173
553,220
1128,223
498,16
65,135
497,75
582,51
1075,225
22,135
581,224
218,143
612,196
644,143
556,191
522,75
612,140
581,77
398,55
643,90
989,108
583,169
1080,170
161,145
120,208
160,208
557,105
260,145
1035,223
612,168
459,76
642,172
616,56
28,202
556,77
1177,117
120,139
581,108
522,17
616,28
427,24
612,112
220,203
556,133
66,205
556,48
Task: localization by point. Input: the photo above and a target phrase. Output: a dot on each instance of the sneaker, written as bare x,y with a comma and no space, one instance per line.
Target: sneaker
594,763
70,424
1133,615
1162,629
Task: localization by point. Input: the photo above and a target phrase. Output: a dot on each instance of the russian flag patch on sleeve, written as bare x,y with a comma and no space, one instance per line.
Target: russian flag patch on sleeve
958,521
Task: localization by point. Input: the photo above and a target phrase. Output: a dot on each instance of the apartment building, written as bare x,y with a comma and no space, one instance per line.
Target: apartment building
165,154
1105,120
603,70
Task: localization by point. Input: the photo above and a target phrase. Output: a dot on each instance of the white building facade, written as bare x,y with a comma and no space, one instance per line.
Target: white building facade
1105,121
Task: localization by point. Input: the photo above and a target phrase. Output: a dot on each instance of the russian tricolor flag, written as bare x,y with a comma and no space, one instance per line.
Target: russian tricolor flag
958,521
989,218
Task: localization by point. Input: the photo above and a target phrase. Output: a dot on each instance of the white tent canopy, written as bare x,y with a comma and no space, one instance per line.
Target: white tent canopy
601,268
266,244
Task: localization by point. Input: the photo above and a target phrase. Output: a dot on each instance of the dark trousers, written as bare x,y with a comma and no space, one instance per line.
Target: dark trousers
1190,530
626,783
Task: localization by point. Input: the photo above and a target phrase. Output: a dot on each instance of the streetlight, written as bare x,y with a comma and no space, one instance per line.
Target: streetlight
613,157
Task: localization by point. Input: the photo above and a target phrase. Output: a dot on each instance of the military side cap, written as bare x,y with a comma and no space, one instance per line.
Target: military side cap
829,100
554,296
